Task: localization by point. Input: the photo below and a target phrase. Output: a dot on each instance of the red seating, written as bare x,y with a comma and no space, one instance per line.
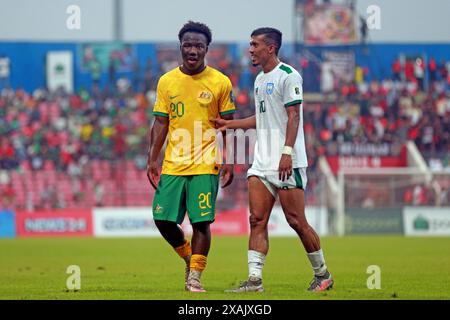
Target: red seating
124,185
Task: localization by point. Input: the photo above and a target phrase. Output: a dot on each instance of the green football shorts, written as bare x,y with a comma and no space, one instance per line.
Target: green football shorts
177,194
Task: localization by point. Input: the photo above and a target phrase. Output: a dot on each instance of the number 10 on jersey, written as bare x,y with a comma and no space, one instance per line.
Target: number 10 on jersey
262,107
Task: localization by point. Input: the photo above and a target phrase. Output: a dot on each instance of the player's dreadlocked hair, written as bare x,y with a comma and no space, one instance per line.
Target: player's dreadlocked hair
198,27
272,36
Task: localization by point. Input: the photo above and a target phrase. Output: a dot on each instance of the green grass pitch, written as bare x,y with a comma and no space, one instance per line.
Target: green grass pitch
147,268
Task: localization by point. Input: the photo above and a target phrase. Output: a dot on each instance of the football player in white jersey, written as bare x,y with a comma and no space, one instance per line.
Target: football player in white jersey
279,166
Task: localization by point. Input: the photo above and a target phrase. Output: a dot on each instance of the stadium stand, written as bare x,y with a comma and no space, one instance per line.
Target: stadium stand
60,150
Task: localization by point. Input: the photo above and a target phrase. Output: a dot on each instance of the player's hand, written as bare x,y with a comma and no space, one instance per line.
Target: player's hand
227,175
221,124
285,167
153,174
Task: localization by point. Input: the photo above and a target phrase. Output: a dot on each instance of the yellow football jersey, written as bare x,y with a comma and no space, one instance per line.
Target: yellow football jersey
189,102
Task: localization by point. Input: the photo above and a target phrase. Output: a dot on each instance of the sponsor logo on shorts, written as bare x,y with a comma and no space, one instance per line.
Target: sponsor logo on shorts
205,213
159,209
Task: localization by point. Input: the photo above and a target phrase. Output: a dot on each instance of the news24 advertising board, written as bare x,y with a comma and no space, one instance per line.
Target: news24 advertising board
54,223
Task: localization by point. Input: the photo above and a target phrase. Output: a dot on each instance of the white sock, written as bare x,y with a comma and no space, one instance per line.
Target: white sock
194,274
255,263
317,262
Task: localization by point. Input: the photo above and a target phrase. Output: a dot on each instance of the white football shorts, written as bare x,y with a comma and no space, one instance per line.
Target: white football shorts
271,179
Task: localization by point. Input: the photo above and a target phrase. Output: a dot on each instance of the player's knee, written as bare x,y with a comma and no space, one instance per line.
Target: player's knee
165,226
160,224
256,220
299,226
202,227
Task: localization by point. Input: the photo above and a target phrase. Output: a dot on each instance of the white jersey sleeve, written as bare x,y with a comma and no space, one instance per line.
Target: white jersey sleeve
292,89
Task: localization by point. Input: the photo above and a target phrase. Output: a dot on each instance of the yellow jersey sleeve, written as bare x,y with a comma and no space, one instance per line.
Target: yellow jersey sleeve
162,106
226,101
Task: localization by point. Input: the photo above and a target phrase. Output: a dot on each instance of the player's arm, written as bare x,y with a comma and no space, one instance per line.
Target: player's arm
227,172
158,136
224,123
292,98
285,167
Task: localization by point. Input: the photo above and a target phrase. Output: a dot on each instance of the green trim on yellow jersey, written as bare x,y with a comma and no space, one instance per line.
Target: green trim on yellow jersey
227,112
161,114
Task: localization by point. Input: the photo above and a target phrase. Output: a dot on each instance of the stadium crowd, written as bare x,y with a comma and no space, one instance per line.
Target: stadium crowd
66,132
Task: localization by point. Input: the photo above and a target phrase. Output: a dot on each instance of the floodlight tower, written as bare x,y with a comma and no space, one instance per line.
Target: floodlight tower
118,20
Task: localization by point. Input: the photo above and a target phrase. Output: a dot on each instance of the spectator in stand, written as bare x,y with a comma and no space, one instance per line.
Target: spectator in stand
419,72
409,70
96,71
99,193
443,71
447,65
112,69
432,69
8,196
148,76
7,155
396,70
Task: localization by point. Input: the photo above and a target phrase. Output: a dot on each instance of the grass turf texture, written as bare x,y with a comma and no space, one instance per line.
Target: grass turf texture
411,268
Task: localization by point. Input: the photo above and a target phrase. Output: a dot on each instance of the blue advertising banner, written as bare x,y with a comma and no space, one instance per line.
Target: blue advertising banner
7,224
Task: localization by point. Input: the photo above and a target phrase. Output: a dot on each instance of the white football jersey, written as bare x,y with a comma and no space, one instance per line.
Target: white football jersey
274,91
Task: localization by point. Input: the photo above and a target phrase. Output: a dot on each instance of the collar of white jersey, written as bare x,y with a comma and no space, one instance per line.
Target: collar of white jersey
276,67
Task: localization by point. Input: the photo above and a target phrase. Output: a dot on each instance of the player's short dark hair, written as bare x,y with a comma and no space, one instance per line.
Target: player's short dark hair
271,35
198,27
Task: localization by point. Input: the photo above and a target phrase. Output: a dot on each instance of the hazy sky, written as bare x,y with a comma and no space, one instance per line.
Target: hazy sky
231,20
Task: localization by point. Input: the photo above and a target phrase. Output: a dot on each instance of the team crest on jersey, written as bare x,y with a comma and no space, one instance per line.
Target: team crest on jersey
269,88
231,97
204,97
159,209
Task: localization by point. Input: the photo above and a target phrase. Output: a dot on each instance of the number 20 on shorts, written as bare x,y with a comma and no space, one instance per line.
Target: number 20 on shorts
204,200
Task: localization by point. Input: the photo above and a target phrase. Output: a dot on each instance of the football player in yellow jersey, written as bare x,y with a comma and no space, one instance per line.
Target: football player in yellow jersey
187,98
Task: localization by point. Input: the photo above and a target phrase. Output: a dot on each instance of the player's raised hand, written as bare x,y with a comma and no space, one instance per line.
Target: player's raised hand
221,124
227,175
285,167
153,174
